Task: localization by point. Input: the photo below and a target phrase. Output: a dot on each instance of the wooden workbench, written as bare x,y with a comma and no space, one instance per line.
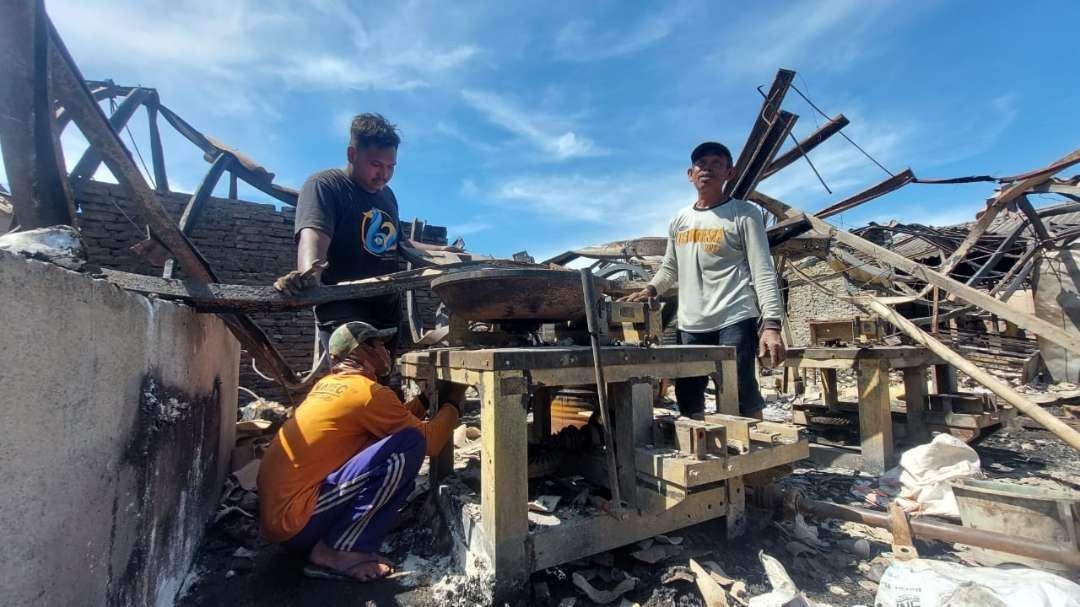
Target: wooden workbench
872,365
512,379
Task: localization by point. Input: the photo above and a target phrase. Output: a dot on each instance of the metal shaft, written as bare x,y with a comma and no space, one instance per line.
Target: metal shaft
946,532
601,386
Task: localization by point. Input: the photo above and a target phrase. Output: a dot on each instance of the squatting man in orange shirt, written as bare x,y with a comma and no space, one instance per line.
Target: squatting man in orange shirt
332,481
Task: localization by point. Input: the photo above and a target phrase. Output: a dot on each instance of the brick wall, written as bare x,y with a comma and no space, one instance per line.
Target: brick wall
245,242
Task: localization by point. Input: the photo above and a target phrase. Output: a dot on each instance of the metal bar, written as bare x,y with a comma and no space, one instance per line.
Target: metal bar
1036,222
198,200
804,147
416,324
1005,246
895,182
157,153
91,159
31,150
593,324
770,111
774,138
946,532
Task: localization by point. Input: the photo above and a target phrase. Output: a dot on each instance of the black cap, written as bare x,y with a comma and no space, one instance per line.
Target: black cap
710,148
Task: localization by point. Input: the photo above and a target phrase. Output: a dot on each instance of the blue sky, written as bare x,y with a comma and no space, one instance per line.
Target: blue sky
546,126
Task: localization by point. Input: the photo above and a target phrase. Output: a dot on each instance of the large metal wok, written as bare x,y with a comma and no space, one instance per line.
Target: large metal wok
514,294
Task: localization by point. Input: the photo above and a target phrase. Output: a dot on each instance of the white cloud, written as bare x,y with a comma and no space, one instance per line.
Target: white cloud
471,227
631,201
582,40
247,42
820,35
549,134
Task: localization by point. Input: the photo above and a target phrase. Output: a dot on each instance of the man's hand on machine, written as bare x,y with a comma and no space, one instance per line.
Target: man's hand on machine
771,347
646,294
296,281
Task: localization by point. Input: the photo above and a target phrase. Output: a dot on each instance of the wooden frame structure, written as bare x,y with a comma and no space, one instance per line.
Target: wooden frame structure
872,366
510,380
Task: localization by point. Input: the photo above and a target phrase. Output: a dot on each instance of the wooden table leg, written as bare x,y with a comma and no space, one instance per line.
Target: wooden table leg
727,387
829,389
504,479
633,414
875,415
736,507
541,410
915,395
945,379
441,465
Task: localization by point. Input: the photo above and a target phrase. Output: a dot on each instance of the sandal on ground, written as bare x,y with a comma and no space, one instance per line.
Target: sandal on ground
320,572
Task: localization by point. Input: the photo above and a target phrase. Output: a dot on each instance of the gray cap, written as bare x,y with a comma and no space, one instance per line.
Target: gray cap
348,336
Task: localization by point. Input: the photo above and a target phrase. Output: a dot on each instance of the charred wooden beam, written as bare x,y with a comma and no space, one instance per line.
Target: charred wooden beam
1033,218
233,186
218,297
211,150
1020,184
1029,322
804,147
766,119
891,184
70,88
91,159
157,153
31,148
198,201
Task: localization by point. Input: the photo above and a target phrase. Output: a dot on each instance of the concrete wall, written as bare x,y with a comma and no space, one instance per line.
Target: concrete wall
246,243
118,418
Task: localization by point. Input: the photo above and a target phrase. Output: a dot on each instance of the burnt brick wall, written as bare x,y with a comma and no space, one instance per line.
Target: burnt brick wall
245,242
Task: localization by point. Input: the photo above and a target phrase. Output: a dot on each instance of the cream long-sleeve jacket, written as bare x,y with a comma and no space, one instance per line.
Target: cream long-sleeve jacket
720,259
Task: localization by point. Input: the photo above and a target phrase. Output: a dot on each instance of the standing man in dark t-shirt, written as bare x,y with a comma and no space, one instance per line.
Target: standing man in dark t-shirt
347,228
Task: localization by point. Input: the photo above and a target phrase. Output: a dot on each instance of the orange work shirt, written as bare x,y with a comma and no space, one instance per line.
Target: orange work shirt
341,416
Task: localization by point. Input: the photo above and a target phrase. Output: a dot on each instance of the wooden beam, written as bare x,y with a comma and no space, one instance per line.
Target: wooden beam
875,415
217,297
804,147
895,182
157,153
31,150
998,202
91,159
1032,410
70,88
198,200
1029,322
915,396
284,194
504,483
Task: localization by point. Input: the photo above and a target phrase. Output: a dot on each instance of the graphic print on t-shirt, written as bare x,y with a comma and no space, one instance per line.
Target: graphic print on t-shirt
378,232
710,238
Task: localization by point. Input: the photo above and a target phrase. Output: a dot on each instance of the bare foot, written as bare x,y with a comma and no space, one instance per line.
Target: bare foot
364,566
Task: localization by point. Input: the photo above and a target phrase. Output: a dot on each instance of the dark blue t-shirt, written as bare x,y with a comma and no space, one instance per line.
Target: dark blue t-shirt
364,231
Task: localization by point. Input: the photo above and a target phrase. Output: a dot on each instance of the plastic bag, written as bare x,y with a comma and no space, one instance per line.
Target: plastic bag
930,583
928,470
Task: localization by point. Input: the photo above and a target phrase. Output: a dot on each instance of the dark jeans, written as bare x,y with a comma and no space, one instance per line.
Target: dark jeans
690,391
